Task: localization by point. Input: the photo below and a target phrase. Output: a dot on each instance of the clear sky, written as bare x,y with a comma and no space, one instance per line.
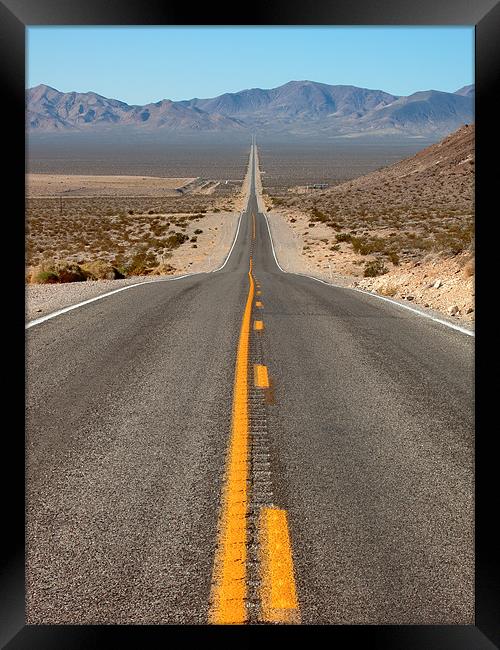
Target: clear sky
145,64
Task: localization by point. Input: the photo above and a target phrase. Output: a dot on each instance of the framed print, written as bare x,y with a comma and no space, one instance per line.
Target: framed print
249,317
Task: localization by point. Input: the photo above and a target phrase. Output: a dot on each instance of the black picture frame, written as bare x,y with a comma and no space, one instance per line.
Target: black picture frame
15,16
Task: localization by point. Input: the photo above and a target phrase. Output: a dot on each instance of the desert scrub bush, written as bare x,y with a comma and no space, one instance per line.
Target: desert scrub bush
388,290
175,240
317,215
68,272
141,263
163,268
43,277
457,239
374,268
101,270
198,231
343,236
56,272
367,246
393,257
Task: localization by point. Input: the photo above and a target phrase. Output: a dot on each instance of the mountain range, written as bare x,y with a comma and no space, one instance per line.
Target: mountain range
297,107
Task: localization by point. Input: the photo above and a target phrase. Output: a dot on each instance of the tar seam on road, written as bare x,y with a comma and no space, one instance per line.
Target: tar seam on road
228,598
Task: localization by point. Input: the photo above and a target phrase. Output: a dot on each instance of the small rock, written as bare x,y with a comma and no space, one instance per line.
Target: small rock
410,297
426,304
469,311
437,284
453,311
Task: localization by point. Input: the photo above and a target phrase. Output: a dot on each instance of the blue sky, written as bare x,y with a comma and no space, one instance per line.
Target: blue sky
144,64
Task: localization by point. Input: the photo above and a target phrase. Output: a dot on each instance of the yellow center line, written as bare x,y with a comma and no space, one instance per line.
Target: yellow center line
258,303
279,602
258,325
229,576
261,378
258,293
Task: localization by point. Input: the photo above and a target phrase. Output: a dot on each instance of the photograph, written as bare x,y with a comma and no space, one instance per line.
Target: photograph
251,390
250,313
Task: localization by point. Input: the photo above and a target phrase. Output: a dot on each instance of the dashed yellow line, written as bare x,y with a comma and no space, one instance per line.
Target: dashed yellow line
258,325
229,575
258,293
258,303
261,378
279,602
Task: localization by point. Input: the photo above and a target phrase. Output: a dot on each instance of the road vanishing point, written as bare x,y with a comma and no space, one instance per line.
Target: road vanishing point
248,446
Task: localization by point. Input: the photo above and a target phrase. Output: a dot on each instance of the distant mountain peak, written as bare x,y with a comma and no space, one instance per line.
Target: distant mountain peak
466,91
298,106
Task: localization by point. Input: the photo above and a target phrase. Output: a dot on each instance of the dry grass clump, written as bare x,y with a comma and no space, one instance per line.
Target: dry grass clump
57,272
388,290
373,268
101,270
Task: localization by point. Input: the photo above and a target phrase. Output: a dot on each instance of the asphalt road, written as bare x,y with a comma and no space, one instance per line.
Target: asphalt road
367,431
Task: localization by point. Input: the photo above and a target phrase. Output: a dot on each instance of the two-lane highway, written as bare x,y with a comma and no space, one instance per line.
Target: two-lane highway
248,446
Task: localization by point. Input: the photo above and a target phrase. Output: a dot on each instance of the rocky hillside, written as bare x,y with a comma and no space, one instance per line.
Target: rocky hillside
406,230
437,180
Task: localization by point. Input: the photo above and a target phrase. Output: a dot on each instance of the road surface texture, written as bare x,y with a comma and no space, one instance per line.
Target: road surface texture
249,446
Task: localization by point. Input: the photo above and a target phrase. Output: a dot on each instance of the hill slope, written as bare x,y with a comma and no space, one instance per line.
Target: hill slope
411,223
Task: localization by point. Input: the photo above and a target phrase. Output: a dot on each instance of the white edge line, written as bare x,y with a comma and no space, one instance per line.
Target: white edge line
100,297
234,242
367,293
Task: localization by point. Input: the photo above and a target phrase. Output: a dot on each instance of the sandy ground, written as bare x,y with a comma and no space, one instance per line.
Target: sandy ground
49,185
219,230
440,287
288,245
